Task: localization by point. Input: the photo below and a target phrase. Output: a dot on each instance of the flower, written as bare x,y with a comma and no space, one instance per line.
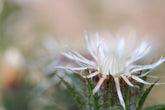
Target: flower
50,57
111,59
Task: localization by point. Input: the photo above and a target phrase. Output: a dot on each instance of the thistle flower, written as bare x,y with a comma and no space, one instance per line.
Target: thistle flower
112,60
51,53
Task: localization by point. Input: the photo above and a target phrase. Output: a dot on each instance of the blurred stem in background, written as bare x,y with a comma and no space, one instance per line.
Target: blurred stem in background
8,8
17,98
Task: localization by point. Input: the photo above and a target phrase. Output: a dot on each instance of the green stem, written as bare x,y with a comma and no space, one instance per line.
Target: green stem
89,95
126,94
95,97
109,95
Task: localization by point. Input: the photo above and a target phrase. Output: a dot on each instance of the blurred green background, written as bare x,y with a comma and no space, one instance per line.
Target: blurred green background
33,32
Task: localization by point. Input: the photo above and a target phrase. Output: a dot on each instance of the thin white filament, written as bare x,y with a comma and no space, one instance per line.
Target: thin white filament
119,93
92,74
152,66
98,85
127,81
140,80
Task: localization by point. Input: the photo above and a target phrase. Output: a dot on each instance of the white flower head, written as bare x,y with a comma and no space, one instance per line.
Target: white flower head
51,52
112,60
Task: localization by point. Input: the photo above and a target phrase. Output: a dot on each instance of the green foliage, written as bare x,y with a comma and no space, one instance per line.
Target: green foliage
17,97
109,99
76,81
8,10
156,107
49,108
94,101
62,99
76,94
142,85
144,96
126,94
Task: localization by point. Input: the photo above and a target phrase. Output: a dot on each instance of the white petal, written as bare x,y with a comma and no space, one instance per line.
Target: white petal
140,80
144,82
92,74
121,45
139,53
80,56
127,81
144,74
92,45
152,66
100,51
88,45
142,48
67,55
98,85
134,66
79,59
119,93
83,58
157,77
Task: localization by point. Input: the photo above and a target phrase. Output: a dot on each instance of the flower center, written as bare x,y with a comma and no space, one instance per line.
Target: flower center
113,65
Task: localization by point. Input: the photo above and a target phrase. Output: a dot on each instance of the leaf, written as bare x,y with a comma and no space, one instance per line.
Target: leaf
144,71
77,95
156,107
144,96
